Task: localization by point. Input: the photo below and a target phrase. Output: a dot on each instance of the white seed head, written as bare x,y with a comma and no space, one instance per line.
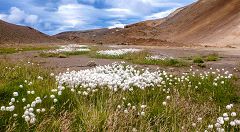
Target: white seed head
210,126
27,118
55,100
233,114
143,113
228,107
232,123
225,115
43,110
12,100
164,103
32,92
119,106
38,110
168,97
52,96
23,99
194,124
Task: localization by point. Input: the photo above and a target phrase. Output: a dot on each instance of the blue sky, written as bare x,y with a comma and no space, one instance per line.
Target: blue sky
54,16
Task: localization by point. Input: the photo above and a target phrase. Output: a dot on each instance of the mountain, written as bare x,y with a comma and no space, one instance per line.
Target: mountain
15,34
205,22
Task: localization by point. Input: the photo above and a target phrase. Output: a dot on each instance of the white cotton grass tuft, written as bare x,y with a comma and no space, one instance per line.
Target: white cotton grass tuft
159,57
164,103
15,94
118,52
70,48
115,77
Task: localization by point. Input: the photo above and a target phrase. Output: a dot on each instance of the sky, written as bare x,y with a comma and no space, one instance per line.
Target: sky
55,16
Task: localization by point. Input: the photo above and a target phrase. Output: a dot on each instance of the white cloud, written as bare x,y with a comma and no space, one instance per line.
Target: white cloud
3,16
31,19
75,15
117,25
160,14
18,16
162,3
142,7
79,16
119,12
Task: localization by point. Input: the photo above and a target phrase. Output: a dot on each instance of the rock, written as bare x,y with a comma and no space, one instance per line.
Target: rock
91,64
229,46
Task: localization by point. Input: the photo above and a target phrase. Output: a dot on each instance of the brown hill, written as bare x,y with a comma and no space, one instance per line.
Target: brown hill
15,34
208,22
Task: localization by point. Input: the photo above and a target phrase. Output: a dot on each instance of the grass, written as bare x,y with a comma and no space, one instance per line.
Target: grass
140,58
98,111
63,54
11,50
212,57
198,60
202,59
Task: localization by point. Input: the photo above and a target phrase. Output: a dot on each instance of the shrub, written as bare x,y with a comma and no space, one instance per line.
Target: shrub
212,57
198,60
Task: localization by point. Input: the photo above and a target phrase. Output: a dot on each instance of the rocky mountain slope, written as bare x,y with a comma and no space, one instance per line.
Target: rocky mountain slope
205,22
15,34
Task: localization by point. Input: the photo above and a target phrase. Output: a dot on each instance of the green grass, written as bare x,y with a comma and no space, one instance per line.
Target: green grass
63,54
98,111
202,59
140,58
198,60
212,57
10,50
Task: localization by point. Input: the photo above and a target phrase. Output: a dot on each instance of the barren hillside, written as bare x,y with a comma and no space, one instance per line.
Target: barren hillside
15,34
206,22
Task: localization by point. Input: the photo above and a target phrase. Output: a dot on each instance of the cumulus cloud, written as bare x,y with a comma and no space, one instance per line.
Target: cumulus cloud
116,24
160,14
76,15
119,12
3,16
80,16
142,7
15,15
18,16
31,19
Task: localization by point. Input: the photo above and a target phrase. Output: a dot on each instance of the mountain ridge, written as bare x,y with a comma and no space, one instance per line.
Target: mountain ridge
205,22
17,34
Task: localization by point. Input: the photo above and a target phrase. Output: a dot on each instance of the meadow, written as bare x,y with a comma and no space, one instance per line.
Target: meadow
131,55
11,50
117,97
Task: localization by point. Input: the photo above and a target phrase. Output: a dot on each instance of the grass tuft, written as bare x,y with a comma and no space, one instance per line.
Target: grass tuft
141,58
63,54
198,60
212,57
10,50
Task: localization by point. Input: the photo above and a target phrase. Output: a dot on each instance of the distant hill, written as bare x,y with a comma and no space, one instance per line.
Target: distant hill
15,34
205,22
